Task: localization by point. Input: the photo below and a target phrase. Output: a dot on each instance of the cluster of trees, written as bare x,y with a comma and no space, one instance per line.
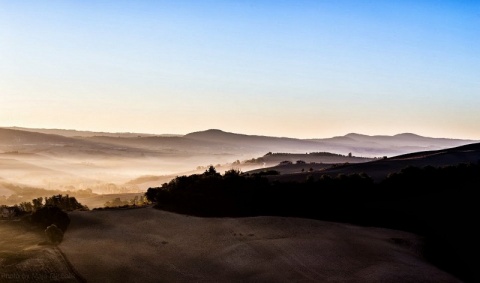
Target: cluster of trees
136,201
323,153
49,213
255,160
439,203
339,196
266,172
66,203
237,194
22,193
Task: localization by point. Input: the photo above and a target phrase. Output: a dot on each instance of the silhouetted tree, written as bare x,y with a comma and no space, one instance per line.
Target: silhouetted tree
48,215
65,202
54,234
37,203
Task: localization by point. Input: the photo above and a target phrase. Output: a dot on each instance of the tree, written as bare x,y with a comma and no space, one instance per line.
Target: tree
54,234
49,215
65,202
211,171
117,202
26,206
37,203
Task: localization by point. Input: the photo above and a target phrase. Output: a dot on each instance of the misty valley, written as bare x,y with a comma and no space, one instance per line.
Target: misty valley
215,206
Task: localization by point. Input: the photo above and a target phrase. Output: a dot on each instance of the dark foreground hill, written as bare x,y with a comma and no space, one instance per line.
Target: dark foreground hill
150,245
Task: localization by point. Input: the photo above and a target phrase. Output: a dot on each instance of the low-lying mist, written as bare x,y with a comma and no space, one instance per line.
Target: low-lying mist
24,176
35,163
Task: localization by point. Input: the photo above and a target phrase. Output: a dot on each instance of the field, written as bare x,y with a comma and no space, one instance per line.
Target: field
149,245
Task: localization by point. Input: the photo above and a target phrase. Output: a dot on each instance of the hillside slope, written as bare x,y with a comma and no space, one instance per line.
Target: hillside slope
149,245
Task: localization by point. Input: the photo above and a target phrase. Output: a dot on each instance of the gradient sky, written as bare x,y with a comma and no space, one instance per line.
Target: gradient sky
284,68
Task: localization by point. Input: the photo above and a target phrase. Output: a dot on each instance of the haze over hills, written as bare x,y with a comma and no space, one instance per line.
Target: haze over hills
360,145
131,162
220,142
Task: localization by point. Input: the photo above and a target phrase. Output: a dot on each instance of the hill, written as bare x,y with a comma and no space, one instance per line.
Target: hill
212,142
179,248
381,168
75,133
359,145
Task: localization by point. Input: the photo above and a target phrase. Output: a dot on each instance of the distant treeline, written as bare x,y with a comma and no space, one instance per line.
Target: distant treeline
66,203
316,154
22,193
311,153
438,203
137,201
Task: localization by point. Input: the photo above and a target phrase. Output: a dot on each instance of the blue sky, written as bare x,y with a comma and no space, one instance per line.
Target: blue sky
284,68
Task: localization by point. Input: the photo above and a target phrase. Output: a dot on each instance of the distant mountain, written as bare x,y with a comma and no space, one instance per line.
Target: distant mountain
255,144
217,142
380,145
12,137
58,145
75,133
359,145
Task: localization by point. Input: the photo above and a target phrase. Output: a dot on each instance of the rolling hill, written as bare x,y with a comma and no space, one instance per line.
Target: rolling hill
215,142
379,169
149,245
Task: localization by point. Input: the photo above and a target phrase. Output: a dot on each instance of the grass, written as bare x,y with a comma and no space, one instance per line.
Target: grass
15,236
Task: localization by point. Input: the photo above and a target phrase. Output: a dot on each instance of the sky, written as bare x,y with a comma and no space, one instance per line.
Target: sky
304,69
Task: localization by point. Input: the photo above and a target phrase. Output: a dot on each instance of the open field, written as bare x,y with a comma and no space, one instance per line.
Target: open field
149,245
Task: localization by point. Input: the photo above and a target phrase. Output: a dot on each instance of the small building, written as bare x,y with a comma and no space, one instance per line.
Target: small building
8,211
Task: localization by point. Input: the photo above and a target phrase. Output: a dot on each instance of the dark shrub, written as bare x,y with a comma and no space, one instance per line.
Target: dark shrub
54,234
49,215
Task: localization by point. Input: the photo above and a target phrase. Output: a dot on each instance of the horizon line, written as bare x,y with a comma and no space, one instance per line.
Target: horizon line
228,132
